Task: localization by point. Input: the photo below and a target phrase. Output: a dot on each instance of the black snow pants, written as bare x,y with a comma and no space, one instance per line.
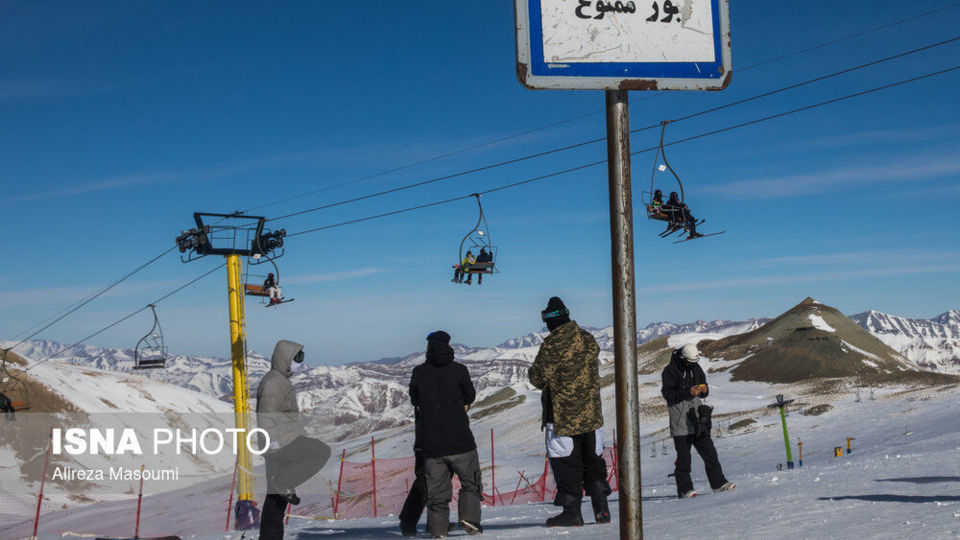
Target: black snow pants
704,446
437,472
416,498
287,468
582,469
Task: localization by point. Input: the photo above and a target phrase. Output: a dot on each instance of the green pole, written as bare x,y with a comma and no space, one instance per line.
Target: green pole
786,437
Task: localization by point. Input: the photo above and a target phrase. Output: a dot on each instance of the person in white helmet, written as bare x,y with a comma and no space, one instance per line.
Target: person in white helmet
684,387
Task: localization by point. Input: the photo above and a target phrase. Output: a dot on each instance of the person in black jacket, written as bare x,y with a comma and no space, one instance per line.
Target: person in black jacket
684,387
6,407
484,257
441,392
272,289
680,216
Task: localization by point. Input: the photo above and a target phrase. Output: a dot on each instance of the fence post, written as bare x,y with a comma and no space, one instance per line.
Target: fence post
493,469
332,503
136,529
517,490
543,478
373,465
43,479
336,503
233,485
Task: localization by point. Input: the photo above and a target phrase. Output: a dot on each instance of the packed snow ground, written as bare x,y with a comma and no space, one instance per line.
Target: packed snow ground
902,480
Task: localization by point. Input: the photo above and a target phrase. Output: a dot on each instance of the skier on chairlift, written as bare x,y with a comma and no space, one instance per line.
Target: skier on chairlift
272,288
484,257
463,268
680,216
6,407
657,203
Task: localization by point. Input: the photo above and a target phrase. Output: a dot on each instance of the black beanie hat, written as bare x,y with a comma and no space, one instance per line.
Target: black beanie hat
440,336
556,313
439,351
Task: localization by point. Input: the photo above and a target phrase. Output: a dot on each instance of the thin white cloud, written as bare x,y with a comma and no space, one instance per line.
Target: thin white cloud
861,257
14,89
68,295
912,169
875,136
333,276
119,182
801,278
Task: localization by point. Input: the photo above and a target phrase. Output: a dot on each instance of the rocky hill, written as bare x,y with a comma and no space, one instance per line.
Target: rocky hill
809,341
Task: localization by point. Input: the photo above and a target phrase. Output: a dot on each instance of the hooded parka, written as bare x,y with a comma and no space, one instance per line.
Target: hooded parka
277,410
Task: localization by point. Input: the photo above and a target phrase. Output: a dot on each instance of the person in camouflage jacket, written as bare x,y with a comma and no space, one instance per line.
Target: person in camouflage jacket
567,371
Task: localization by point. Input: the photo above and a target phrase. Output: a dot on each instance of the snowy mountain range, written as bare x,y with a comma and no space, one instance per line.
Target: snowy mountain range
363,397
932,344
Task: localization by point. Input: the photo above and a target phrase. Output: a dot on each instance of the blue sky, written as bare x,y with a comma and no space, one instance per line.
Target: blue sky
120,120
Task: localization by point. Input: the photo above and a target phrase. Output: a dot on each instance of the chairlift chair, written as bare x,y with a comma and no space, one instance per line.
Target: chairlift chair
19,390
479,238
151,352
253,283
657,213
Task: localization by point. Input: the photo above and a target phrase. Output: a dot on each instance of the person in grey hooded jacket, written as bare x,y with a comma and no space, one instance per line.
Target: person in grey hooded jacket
292,458
684,387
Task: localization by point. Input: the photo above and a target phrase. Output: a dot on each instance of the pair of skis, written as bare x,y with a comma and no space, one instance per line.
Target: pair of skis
670,230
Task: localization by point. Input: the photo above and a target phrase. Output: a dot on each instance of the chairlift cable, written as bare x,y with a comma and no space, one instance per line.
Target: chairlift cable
70,311
598,111
600,139
125,317
453,199
636,152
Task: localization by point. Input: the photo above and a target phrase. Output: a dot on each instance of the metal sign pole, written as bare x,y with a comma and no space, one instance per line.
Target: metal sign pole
624,313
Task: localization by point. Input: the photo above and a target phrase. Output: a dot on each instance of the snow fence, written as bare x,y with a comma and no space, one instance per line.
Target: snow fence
378,487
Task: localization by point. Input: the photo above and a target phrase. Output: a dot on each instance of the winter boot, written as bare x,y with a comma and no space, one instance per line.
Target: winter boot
570,517
471,527
727,486
688,494
601,511
407,530
291,497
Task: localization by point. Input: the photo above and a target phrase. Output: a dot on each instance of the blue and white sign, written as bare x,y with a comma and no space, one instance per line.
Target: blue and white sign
628,45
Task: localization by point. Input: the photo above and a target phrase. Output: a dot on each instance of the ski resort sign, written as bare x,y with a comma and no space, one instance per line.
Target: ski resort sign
623,45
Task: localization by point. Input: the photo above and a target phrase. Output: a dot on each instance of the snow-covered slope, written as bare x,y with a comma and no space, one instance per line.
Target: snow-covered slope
354,399
211,376
898,482
74,396
932,344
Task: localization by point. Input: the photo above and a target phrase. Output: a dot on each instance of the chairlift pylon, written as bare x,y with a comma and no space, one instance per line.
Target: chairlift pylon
151,352
478,238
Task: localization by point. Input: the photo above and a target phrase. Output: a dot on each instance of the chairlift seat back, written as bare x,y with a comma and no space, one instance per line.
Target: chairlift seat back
254,290
19,405
653,213
481,268
150,363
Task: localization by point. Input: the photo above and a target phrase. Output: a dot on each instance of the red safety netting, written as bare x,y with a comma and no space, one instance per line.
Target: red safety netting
379,487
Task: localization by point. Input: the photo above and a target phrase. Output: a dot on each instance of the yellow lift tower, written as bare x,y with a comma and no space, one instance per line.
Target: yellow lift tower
234,236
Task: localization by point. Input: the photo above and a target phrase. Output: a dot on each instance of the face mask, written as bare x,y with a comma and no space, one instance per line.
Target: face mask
296,367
